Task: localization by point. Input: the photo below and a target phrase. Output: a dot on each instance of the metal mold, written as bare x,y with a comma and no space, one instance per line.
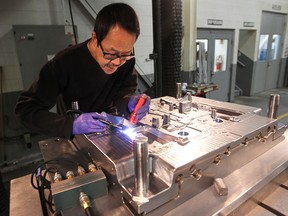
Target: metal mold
186,152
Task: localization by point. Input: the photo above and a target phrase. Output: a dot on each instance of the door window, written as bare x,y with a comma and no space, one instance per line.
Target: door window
263,46
275,45
205,42
220,55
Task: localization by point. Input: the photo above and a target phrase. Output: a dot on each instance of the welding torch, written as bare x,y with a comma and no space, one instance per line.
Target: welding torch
140,103
109,123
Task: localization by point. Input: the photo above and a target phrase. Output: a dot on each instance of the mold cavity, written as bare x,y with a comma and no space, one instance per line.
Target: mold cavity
183,133
269,129
218,120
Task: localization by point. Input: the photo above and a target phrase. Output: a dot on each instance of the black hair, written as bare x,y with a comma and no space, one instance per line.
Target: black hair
116,14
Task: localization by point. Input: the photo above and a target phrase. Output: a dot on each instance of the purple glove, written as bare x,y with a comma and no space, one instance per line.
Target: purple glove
143,110
89,123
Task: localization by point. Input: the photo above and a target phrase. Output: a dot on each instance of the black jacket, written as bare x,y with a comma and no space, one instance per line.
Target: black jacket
74,75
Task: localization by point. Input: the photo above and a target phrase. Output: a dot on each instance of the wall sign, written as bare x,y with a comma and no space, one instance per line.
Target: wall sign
214,22
276,7
248,24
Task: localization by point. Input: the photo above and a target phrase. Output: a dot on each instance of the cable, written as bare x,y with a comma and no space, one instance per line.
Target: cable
2,128
42,184
46,185
85,203
39,181
72,21
55,161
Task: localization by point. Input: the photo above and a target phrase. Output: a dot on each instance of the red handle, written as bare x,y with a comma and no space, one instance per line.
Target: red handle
139,104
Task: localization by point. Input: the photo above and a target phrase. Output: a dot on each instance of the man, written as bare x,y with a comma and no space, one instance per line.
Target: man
98,74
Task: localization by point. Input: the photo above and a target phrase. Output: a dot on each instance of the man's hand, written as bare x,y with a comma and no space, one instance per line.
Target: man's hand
89,123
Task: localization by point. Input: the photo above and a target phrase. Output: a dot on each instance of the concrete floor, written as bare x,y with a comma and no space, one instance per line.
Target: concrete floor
261,100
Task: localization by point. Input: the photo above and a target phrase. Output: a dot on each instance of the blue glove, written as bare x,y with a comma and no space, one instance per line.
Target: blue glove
89,123
143,110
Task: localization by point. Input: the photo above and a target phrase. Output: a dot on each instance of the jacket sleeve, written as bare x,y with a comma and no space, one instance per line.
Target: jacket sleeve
34,105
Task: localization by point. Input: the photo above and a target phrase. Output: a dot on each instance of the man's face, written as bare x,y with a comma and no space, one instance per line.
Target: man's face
114,50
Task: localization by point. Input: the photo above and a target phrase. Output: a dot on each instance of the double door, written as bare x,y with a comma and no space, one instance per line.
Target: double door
218,50
269,51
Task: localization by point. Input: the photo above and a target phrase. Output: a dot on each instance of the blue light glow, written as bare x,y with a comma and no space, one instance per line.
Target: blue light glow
130,132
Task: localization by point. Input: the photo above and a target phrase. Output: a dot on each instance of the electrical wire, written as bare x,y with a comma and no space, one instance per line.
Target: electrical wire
2,128
72,22
40,182
40,185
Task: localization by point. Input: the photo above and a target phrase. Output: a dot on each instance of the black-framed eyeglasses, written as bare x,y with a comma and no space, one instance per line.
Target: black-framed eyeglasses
111,57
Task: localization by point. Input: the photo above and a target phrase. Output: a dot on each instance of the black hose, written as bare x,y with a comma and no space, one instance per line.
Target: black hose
41,193
2,128
72,20
89,211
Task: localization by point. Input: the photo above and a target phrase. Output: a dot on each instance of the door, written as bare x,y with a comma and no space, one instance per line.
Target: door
36,44
269,51
218,46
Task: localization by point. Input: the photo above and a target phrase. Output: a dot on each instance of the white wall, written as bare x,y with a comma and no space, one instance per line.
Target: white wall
30,12
247,42
234,13
56,12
